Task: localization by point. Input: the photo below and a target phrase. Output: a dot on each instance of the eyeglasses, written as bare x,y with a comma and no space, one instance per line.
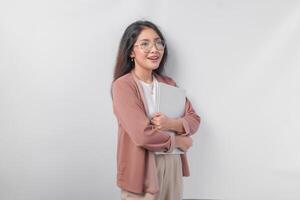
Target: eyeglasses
147,45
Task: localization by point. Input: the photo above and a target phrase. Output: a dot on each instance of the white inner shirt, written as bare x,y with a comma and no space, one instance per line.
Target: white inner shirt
150,94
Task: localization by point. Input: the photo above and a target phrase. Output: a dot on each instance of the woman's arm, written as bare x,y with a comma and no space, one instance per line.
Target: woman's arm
176,125
183,142
131,116
189,123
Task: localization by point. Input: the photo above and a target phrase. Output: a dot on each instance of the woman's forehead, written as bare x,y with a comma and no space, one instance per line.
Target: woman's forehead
148,34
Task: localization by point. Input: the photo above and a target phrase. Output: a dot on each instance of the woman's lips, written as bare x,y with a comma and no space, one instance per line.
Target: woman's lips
154,58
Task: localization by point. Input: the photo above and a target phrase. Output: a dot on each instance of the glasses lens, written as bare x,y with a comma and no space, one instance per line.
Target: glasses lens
160,45
145,45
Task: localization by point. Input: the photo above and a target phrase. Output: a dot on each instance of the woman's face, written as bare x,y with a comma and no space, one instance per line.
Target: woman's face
148,50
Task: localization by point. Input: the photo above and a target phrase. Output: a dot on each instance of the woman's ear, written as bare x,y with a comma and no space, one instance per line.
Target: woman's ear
132,55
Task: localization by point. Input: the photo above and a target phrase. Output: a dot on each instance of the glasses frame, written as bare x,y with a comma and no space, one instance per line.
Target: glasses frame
153,43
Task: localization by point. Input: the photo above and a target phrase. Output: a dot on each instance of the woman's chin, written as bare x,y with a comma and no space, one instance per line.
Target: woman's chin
154,67
151,66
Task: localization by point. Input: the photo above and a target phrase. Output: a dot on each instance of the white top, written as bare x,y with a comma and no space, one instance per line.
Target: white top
150,95
150,90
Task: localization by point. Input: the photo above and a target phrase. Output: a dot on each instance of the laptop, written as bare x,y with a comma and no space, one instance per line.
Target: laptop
170,101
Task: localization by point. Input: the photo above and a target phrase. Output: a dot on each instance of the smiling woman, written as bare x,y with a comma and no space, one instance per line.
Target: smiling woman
147,167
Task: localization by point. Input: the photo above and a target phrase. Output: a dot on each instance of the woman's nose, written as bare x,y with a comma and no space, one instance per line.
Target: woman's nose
153,48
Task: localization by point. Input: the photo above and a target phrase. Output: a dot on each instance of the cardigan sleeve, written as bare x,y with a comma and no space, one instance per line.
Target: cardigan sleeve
130,113
190,119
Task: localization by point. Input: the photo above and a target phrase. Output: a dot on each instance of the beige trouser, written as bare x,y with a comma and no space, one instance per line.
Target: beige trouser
169,172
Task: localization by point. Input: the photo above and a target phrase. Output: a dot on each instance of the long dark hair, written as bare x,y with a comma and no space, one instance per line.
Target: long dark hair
123,63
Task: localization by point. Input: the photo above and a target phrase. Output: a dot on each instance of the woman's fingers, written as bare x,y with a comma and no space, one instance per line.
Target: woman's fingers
155,114
159,127
153,121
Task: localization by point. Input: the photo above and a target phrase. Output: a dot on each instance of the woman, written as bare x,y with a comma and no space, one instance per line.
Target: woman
145,167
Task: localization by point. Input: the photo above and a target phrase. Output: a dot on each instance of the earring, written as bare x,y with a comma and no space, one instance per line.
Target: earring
132,59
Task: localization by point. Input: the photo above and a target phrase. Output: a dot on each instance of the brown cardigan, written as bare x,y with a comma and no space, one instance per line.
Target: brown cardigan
137,137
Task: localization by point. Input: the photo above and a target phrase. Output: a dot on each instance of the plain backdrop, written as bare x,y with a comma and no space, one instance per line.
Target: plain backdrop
238,61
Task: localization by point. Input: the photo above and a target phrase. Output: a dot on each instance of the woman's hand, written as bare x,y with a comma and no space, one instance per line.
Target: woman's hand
161,121
183,142
164,123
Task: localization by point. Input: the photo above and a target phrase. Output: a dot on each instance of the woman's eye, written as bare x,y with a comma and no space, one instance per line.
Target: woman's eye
144,44
159,43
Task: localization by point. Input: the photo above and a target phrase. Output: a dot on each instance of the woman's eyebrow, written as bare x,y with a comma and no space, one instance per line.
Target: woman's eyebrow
158,38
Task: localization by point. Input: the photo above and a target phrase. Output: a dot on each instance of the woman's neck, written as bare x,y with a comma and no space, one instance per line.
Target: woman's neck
144,75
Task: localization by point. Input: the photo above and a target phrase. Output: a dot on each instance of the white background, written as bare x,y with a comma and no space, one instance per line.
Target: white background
238,60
